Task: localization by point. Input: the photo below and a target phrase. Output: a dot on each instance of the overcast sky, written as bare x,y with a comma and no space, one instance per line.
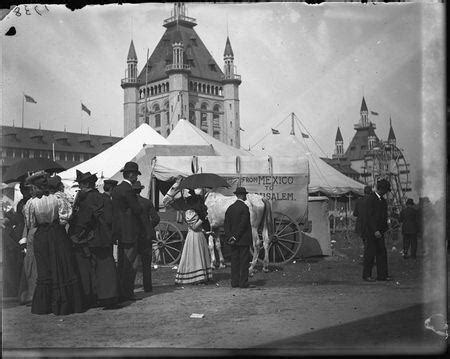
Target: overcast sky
315,61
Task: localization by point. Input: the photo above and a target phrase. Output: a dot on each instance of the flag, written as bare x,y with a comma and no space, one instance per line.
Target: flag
241,129
304,135
29,99
275,132
374,113
85,109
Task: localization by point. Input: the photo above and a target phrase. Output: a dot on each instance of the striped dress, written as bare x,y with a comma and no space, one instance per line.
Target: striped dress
195,262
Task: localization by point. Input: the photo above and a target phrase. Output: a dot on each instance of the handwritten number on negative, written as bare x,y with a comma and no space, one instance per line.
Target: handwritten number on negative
28,11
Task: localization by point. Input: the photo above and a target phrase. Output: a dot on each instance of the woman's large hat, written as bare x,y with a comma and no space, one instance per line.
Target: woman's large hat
54,182
131,167
38,179
86,177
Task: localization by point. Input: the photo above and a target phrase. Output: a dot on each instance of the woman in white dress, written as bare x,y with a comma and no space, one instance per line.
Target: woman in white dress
195,263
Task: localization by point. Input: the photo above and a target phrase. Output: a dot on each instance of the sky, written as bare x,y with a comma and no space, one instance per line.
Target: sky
314,60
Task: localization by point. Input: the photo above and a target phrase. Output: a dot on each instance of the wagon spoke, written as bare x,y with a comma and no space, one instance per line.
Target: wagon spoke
290,250
281,252
169,236
279,222
176,240
170,254
289,240
284,227
175,249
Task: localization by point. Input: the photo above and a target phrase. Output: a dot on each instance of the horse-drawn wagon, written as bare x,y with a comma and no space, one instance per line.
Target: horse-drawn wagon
278,202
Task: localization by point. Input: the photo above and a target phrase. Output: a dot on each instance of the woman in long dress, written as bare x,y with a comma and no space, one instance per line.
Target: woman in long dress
195,263
57,288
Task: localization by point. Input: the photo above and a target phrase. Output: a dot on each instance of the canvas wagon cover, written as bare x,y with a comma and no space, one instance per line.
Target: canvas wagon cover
282,180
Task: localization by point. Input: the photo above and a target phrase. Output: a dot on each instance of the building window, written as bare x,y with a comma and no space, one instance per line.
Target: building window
156,110
9,152
166,109
192,114
31,154
76,157
216,122
204,117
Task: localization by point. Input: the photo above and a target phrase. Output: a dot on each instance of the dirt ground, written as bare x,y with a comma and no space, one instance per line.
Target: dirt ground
311,306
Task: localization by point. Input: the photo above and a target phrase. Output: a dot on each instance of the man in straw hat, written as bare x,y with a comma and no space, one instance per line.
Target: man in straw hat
410,227
238,232
126,224
374,228
149,220
90,231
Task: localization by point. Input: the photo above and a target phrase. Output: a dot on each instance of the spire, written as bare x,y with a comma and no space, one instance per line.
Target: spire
339,135
363,105
228,50
131,53
391,136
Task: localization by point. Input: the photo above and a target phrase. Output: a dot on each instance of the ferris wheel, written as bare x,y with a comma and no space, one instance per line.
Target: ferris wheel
387,161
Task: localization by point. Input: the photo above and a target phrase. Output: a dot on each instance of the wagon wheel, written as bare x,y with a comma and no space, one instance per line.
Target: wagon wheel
168,245
285,241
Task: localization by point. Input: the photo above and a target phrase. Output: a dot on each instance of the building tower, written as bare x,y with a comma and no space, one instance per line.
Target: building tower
130,91
231,82
364,120
391,137
339,144
182,80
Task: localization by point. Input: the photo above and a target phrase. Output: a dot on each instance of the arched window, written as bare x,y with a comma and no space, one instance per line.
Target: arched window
156,110
191,86
151,91
204,117
163,87
159,88
204,88
195,86
216,90
220,91
207,89
166,110
167,86
192,114
216,122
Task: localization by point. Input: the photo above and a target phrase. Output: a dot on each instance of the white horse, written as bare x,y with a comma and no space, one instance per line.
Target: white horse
217,204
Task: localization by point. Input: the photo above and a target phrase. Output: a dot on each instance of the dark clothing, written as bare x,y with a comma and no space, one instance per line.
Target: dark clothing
126,214
240,258
237,225
57,289
12,258
149,220
90,231
410,227
360,213
376,220
196,203
126,268
410,220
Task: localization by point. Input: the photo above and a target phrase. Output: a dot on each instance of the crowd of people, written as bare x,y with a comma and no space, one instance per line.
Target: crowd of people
67,264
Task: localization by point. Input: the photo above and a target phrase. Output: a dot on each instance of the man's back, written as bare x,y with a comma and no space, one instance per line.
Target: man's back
376,213
409,219
237,223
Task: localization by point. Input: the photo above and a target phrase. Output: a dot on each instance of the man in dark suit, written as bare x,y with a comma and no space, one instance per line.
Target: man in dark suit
126,224
90,233
238,232
373,233
108,186
360,210
149,220
410,227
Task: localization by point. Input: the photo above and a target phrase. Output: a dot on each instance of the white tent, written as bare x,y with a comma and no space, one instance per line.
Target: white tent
185,133
323,177
110,161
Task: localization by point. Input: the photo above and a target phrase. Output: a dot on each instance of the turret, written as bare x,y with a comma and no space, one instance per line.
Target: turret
231,81
391,137
339,142
372,138
130,87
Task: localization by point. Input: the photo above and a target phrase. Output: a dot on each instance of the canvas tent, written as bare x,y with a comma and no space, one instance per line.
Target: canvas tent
324,179
185,133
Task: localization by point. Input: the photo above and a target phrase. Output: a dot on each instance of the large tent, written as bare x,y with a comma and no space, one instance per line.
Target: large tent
185,133
111,160
324,179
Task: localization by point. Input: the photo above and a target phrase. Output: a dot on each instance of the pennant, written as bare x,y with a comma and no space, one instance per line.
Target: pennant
374,113
85,109
275,132
304,135
29,99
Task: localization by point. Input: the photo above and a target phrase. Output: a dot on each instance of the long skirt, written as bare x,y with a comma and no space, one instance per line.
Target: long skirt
98,275
57,287
29,271
195,262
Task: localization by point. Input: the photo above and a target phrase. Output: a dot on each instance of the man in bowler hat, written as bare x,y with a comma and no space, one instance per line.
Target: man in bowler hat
126,224
149,220
373,233
238,232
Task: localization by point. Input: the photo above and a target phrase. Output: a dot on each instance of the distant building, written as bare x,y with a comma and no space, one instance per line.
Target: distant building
69,148
182,80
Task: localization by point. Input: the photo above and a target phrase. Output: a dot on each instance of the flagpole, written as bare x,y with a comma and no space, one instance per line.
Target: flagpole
23,106
81,117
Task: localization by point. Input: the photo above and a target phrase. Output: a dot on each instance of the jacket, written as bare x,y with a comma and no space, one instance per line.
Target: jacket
237,223
410,220
126,214
149,220
376,215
